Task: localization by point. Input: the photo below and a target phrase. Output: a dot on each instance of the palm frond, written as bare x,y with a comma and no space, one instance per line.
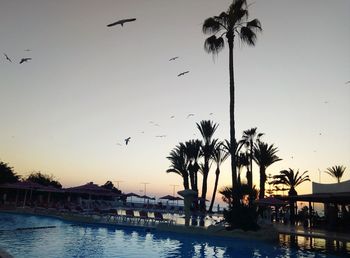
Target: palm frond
247,36
254,25
213,44
211,25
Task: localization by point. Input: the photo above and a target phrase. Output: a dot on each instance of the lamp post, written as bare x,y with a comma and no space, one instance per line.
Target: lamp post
174,186
145,184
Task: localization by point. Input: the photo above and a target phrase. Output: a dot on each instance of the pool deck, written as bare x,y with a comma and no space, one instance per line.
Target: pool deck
311,232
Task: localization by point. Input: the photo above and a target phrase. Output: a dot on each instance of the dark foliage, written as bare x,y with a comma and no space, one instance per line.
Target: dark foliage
110,186
7,175
43,179
241,216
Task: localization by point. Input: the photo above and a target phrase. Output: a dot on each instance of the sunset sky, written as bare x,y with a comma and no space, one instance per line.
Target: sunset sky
89,86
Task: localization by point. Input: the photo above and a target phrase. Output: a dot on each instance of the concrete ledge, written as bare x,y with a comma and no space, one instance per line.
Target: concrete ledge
264,234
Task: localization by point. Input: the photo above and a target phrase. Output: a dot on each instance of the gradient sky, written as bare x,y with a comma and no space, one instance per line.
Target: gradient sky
88,87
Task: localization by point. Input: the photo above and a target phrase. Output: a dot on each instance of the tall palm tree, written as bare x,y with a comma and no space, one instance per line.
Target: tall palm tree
227,25
220,155
336,172
242,160
192,150
207,129
264,156
179,163
291,179
248,138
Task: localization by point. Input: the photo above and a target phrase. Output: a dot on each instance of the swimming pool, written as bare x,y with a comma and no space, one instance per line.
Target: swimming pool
66,239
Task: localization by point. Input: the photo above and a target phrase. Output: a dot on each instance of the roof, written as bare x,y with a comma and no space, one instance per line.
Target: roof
339,198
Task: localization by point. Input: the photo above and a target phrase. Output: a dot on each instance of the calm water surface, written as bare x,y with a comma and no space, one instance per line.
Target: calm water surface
75,240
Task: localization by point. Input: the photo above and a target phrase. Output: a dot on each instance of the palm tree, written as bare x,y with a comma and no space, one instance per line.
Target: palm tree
229,24
248,138
290,179
179,163
242,160
192,151
207,129
7,175
264,156
220,155
336,172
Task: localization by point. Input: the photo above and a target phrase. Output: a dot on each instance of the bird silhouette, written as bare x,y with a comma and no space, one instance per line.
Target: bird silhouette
172,117
127,140
26,59
27,50
189,115
183,73
7,58
211,114
121,22
161,136
173,58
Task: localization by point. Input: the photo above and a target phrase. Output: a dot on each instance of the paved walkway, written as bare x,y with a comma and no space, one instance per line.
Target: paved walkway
309,232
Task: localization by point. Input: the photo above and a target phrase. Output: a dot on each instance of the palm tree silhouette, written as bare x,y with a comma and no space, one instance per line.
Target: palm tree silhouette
336,172
264,156
220,155
229,24
248,138
192,150
291,179
207,129
178,165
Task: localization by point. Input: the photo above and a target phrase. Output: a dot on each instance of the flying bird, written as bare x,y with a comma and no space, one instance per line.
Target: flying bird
172,117
211,114
127,140
189,115
183,73
7,58
173,58
27,50
26,59
161,136
121,22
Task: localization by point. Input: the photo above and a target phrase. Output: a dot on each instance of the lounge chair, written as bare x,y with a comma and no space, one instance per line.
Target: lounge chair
158,217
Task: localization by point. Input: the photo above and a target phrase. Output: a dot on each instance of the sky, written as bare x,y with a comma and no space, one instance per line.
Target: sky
89,86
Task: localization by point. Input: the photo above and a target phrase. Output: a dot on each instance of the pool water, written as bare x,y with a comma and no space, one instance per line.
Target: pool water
68,239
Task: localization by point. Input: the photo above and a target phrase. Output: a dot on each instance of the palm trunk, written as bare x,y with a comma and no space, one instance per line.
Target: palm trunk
217,174
262,182
232,114
250,179
190,170
185,182
204,185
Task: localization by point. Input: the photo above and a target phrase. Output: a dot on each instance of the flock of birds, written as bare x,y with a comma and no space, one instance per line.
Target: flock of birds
23,60
127,140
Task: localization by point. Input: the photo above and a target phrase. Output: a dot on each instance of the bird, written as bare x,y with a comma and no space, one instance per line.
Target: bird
211,114
172,117
27,50
127,140
183,73
26,59
7,58
121,22
173,58
189,115
161,136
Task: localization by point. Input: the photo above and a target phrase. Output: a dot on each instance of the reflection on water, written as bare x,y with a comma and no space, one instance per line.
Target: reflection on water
88,240
315,244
